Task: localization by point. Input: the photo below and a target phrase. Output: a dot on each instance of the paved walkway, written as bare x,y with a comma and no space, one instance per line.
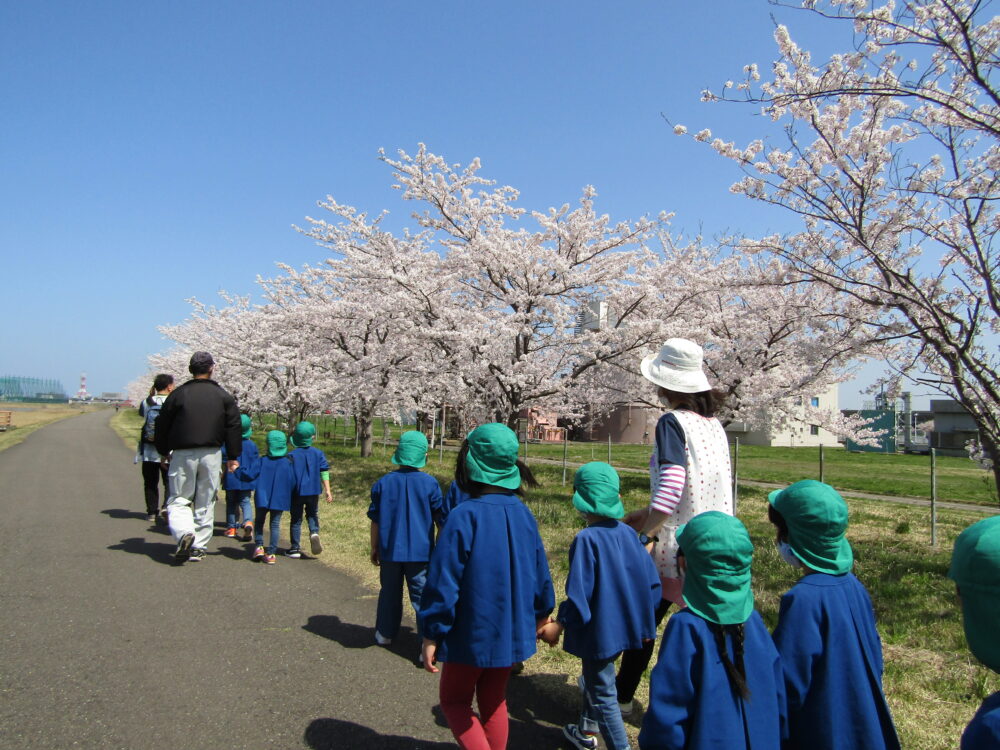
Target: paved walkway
108,645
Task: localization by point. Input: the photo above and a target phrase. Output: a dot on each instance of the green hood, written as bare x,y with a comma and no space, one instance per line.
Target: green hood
412,450
718,551
816,515
492,456
597,490
975,567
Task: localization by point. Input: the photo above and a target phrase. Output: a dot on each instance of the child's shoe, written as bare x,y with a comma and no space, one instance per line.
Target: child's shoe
247,532
294,552
381,640
270,559
258,553
578,739
197,555
231,533
628,709
315,545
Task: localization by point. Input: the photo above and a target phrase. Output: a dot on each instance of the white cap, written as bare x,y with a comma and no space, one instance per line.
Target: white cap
676,367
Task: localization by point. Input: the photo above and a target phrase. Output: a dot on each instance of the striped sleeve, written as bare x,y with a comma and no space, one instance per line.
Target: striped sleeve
669,488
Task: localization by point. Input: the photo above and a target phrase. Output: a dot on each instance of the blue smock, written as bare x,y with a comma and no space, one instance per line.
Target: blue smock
403,504
831,656
488,584
692,704
250,454
983,732
455,496
308,463
611,592
275,480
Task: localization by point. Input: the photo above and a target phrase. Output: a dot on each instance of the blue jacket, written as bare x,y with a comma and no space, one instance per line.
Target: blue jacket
488,584
275,480
308,463
693,706
611,592
403,504
250,454
455,496
983,732
831,656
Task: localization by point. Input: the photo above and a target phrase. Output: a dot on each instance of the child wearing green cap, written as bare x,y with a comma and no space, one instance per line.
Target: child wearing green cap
611,594
488,590
405,505
975,569
238,492
275,480
312,473
717,682
831,654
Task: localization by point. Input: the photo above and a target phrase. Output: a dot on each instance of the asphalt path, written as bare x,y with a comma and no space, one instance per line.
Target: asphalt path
107,644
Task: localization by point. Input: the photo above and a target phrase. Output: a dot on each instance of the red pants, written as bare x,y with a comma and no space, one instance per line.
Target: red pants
459,682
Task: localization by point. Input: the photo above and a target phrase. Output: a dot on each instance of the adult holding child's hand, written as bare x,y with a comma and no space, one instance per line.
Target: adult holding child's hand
689,474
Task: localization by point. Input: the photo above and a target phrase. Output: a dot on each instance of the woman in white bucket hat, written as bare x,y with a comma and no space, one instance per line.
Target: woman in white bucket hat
689,474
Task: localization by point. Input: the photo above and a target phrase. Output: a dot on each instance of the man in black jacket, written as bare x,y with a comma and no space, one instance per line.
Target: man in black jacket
195,421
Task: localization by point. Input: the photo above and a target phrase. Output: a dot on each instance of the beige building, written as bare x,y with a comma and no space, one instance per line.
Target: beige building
797,434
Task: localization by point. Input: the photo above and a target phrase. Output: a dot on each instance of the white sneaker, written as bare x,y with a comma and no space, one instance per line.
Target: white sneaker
381,640
578,739
628,709
315,545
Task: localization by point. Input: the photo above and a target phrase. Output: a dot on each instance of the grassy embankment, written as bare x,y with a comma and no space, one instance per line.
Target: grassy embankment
26,418
929,670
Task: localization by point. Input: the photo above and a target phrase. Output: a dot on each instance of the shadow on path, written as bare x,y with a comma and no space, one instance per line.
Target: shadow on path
121,513
156,551
327,734
347,634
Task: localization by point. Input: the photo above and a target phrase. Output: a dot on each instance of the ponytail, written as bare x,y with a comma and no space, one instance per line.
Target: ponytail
736,672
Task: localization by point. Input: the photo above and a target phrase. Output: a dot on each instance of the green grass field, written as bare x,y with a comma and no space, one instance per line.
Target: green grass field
929,670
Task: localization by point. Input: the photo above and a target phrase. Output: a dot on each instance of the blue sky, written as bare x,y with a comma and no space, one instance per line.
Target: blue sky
156,152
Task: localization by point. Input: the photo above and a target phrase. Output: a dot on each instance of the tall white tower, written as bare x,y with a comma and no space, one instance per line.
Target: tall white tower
82,393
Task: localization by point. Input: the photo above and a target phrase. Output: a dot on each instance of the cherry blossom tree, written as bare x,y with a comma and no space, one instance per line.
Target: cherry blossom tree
890,157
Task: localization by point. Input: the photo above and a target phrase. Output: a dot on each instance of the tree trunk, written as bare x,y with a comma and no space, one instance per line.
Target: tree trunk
364,421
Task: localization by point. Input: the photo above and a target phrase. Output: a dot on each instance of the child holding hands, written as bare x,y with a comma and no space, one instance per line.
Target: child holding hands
611,595
488,590
275,479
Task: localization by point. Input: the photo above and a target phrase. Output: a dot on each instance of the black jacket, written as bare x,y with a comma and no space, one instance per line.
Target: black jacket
199,414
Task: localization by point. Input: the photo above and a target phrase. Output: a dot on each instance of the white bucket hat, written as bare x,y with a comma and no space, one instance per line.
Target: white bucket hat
676,367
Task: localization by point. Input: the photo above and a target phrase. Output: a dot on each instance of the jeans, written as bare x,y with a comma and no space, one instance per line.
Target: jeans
390,598
238,500
310,504
459,683
194,475
600,703
153,472
634,662
273,532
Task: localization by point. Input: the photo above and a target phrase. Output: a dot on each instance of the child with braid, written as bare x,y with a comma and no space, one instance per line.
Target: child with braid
717,682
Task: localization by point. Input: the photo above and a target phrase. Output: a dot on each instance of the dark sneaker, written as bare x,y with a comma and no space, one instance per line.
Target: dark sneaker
578,739
247,532
315,545
150,517
183,551
294,552
197,555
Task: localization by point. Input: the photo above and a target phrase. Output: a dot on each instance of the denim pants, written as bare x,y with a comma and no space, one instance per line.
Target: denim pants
309,504
600,703
238,500
390,598
274,531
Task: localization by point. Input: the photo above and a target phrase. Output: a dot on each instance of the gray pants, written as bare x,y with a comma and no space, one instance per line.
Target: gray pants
194,477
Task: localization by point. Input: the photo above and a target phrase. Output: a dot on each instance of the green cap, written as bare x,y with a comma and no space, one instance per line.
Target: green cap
303,434
816,515
246,425
492,456
975,567
718,551
412,449
277,443
597,490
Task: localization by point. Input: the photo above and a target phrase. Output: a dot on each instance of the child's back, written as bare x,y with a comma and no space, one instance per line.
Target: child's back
831,653
611,592
403,504
831,656
309,463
